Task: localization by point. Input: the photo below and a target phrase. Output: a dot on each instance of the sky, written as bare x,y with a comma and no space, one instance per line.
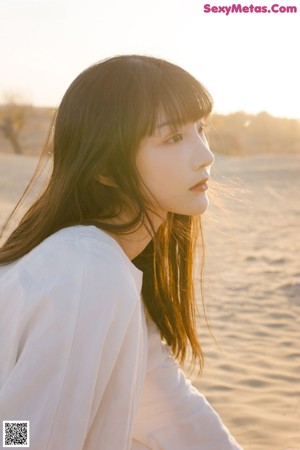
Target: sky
248,61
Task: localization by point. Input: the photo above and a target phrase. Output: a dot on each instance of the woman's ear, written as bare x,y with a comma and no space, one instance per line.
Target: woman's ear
106,180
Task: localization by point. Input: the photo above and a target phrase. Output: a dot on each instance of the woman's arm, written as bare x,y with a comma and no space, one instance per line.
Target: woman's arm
78,371
172,414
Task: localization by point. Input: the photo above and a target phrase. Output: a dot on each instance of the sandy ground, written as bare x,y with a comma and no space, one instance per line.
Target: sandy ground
252,293
253,296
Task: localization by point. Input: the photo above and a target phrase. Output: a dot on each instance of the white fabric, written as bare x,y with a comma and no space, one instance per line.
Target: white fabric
83,362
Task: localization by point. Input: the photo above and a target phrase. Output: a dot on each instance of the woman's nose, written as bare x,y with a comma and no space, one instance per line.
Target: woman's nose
203,156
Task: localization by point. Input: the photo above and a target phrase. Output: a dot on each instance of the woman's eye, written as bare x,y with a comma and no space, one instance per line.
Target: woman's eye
175,138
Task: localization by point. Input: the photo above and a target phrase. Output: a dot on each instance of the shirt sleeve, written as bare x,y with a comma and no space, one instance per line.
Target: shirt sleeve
173,415
78,369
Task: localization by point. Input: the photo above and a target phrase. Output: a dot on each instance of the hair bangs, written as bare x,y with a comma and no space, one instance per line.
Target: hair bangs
160,91
178,100
184,101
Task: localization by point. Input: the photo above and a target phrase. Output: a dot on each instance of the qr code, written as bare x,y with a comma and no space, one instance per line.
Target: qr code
15,433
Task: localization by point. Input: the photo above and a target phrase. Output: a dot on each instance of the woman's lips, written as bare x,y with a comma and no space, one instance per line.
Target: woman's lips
201,186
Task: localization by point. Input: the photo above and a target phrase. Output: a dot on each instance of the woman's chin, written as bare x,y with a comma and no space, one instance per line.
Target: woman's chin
193,210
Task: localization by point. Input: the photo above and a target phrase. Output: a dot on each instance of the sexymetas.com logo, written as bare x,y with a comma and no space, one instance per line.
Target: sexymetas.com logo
256,9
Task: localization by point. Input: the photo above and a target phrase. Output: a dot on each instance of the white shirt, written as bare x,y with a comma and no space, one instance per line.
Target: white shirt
82,361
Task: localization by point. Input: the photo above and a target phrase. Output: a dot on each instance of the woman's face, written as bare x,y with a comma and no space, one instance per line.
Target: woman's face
171,163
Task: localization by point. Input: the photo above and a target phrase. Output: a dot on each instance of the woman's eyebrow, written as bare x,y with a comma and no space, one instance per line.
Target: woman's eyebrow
162,125
167,123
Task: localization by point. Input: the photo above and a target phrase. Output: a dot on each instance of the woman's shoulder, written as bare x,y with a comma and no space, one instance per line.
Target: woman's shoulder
77,250
76,265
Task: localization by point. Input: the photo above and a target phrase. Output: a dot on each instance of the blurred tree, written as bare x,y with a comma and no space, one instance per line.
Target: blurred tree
13,116
241,133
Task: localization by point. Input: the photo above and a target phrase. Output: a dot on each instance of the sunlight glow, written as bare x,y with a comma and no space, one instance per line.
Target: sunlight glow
245,62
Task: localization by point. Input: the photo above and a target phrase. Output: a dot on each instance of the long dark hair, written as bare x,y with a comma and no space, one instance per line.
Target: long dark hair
105,113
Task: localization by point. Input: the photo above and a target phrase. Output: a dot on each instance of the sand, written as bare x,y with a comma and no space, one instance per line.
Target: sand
253,296
252,293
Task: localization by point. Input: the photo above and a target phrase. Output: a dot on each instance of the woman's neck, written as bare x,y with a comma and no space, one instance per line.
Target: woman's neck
136,241
132,244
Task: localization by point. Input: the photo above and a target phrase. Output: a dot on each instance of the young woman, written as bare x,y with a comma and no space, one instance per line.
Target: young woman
96,295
